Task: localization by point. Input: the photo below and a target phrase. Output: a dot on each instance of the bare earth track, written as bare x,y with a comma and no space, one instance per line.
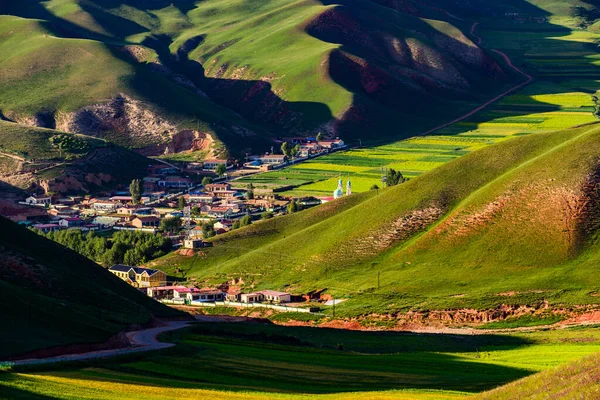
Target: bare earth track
508,62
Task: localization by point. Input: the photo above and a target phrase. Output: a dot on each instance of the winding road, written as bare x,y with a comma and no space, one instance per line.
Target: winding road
142,340
507,60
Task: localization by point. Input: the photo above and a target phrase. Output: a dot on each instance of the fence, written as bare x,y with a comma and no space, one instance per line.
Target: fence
244,305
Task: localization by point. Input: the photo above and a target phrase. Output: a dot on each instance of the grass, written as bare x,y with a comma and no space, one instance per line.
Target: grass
53,297
577,379
270,53
49,155
43,144
558,53
250,360
487,200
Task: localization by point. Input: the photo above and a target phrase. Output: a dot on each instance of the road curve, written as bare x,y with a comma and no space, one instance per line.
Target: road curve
508,61
142,340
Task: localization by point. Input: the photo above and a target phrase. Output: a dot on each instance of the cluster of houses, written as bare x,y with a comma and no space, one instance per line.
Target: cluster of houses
218,202
163,185
155,284
307,148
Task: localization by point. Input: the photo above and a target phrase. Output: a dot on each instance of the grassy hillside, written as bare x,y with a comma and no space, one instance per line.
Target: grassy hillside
574,380
32,157
283,65
258,361
513,223
551,41
51,296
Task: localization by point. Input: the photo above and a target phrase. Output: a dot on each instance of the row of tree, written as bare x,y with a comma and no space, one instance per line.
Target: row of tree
124,247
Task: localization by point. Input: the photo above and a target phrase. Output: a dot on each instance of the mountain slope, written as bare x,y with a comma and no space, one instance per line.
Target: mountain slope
576,380
37,158
513,223
287,66
51,296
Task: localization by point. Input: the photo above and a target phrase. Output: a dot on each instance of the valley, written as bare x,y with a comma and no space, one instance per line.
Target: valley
168,174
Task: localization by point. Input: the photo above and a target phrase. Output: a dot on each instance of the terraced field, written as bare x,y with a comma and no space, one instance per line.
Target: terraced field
562,58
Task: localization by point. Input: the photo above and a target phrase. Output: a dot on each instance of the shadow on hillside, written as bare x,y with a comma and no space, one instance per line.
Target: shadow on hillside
241,109
392,98
407,360
388,98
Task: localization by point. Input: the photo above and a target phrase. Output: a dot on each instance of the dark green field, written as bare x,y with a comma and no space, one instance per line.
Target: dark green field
252,360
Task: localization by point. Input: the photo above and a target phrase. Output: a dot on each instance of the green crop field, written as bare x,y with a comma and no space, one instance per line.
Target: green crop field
256,361
559,54
483,202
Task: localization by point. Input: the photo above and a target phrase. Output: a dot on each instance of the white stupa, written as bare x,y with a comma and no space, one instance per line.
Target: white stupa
339,192
348,187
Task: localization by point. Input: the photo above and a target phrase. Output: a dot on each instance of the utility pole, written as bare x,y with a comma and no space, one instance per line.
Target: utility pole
333,300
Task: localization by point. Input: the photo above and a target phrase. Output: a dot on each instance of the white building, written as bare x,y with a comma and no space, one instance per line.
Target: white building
39,201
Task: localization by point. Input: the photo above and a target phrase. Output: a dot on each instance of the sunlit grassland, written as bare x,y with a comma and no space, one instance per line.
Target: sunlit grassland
260,361
563,60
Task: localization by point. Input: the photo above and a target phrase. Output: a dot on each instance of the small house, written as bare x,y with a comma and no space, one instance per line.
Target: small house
251,297
273,159
273,296
204,296
175,182
193,244
38,201
70,222
145,222
47,227
214,163
217,187
139,276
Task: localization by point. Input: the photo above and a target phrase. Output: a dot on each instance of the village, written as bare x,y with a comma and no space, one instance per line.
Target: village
188,204
157,285
199,192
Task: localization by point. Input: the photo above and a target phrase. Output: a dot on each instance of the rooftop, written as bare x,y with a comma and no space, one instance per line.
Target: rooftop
137,270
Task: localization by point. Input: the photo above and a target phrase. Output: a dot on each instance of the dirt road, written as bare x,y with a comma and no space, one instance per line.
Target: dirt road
508,61
142,340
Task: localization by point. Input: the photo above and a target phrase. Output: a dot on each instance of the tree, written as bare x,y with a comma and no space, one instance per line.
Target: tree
207,180
181,203
221,169
295,150
393,177
236,224
170,224
250,192
266,215
208,229
136,189
293,207
320,137
245,220
374,187
286,149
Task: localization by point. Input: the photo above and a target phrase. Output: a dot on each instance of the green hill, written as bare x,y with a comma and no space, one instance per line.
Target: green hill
38,158
576,380
51,296
141,73
513,223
